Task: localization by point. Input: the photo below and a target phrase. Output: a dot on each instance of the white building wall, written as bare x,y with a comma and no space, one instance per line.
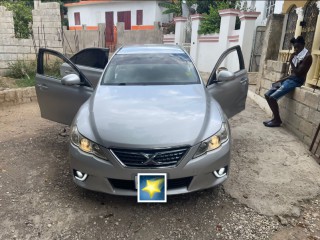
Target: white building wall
92,14
207,49
208,54
261,6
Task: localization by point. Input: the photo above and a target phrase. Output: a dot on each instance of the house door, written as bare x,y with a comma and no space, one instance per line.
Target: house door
109,29
125,17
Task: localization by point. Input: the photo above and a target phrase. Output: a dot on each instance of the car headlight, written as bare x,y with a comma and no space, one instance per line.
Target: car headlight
85,144
214,141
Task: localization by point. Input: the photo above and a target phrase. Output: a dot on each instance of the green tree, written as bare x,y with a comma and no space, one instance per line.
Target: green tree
203,6
22,14
211,20
175,7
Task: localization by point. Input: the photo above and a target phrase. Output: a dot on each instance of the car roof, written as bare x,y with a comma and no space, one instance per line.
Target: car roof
150,48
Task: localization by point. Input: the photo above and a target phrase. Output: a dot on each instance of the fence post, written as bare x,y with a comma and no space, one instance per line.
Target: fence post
36,4
246,34
180,32
195,19
227,25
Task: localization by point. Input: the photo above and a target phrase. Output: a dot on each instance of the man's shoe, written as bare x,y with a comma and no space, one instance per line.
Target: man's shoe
267,121
273,124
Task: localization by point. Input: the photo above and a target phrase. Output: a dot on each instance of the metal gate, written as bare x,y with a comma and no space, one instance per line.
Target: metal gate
315,145
310,22
290,28
257,49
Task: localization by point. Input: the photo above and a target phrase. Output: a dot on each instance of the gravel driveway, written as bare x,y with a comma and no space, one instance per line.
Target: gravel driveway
272,193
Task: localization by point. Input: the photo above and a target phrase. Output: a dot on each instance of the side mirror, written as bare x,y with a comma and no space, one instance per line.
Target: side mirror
225,76
71,79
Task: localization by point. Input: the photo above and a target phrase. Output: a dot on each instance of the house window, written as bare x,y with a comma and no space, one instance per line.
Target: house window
77,18
125,17
270,7
139,17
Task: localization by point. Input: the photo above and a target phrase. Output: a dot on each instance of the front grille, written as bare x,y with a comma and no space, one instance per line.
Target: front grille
150,158
130,185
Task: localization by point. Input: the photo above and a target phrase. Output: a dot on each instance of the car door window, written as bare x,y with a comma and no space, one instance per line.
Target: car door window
56,67
60,96
94,58
230,62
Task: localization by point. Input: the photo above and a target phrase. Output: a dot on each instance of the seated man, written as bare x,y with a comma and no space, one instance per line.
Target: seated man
300,62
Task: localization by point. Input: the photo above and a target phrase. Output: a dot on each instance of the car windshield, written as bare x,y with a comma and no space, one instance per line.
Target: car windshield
150,69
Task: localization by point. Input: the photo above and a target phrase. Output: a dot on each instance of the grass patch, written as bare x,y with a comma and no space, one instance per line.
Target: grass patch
25,82
23,72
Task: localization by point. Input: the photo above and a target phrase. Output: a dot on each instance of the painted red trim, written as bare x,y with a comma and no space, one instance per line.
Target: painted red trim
234,38
249,15
229,12
92,28
247,18
80,28
180,19
75,28
196,17
142,27
208,39
86,3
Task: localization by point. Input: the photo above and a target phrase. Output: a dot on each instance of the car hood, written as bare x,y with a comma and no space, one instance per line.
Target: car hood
152,116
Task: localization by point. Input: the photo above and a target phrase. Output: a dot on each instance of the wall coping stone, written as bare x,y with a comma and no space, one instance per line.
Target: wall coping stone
16,96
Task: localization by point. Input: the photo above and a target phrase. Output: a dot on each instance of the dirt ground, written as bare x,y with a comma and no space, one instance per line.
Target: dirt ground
272,192
6,83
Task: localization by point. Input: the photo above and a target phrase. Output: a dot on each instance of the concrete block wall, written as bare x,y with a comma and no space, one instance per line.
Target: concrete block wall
75,41
126,37
46,28
300,109
47,25
13,97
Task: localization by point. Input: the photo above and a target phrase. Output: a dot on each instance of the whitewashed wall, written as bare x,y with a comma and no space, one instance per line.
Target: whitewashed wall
261,6
206,49
93,14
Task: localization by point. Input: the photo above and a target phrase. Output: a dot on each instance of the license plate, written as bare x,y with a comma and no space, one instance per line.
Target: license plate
151,187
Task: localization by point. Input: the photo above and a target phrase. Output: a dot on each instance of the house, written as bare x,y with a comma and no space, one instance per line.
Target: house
300,109
266,8
136,15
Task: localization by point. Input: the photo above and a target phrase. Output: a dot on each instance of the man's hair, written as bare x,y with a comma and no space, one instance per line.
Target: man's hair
299,40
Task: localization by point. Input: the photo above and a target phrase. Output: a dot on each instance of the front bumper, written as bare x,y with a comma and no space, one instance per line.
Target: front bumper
110,176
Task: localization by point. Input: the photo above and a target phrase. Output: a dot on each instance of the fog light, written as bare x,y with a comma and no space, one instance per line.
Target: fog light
80,175
221,172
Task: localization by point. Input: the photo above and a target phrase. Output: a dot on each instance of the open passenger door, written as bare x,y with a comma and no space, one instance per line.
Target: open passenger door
59,96
229,86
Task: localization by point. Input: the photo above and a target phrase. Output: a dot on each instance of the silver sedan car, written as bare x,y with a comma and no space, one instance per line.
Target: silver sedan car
146,110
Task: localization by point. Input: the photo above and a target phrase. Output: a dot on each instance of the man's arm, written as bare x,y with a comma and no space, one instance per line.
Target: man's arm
302,69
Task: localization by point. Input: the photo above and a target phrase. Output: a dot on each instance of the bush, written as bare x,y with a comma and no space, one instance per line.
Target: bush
22,69
24,72
169,27
211,21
